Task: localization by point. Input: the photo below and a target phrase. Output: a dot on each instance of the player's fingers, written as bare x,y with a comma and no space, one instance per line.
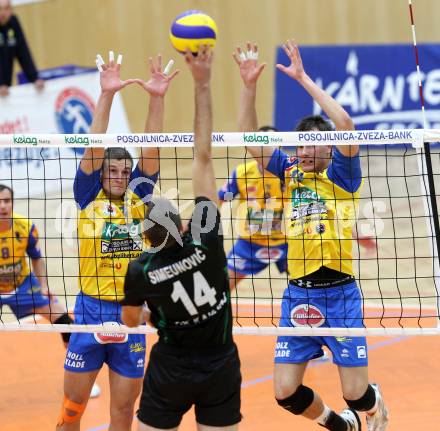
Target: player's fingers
281,67
189,58
168,67
286,50
235,56
261,67
111,58
99,66
159,62
100,59
130,81
171,77
203,50
151,65
291,44
241,55
296,52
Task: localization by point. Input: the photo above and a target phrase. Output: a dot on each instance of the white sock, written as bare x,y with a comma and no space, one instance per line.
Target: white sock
322,418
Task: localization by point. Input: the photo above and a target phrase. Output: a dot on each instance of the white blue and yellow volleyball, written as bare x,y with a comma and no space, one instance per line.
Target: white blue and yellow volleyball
191,29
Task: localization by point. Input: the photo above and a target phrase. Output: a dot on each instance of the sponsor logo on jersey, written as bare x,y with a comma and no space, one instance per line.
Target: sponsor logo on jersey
296,176
9,275
345,353
236,262
74,360
306,315
110,337
361,352
140,363
269,254
282,350
136,348
121,237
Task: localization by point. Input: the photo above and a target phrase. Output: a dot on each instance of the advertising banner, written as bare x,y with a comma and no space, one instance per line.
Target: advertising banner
376,84
66,105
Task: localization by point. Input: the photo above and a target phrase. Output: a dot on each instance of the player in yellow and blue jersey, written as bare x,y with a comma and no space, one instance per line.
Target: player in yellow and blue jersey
259,217
26,292
322,191
112,198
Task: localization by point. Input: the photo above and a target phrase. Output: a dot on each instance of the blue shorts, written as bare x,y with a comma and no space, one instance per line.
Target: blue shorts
249,258
123,353
26,298
331,307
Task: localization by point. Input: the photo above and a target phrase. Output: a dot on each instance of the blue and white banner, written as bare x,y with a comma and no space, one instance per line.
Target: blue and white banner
66,105
376,84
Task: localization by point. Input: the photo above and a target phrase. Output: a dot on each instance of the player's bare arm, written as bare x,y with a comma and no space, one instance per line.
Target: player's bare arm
133,316
203,170
39,269
329,105
157,87
111,83
250,72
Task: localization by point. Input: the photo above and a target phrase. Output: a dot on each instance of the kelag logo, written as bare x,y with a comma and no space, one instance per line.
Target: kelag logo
74,112
376,84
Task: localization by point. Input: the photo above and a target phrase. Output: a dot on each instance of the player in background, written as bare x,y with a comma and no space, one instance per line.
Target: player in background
185,284
261,237
24,290
110,195
323,187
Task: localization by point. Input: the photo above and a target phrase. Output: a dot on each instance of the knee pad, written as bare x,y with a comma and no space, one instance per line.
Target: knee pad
365,402
66,320
299,401
76,408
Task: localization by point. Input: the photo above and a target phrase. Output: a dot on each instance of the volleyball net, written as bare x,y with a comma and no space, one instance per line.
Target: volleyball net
395,225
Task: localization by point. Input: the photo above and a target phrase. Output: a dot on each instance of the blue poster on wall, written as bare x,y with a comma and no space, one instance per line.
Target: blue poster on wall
376,84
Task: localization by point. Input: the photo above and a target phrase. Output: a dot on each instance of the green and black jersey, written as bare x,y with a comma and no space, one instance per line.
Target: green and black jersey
186,286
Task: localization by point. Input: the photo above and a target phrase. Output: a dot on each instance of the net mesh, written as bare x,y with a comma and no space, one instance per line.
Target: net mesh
393,258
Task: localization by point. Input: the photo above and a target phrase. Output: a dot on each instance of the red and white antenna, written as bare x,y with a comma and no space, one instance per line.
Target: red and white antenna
416,53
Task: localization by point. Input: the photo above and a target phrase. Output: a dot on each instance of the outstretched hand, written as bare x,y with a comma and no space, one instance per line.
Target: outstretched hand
296,69
200,65
110,74
250,70
160,80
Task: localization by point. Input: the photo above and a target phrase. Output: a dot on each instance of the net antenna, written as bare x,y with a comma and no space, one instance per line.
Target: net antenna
424,161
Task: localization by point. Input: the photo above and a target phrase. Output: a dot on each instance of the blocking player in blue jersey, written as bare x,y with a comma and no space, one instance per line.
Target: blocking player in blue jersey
322,190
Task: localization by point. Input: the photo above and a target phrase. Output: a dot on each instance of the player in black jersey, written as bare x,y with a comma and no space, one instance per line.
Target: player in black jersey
183,280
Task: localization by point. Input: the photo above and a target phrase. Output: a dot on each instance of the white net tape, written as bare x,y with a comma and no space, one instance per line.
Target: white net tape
400,283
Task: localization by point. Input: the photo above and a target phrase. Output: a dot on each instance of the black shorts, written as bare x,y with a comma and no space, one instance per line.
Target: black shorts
175,380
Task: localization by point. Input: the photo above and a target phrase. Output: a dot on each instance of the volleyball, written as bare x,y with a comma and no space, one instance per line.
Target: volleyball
191,29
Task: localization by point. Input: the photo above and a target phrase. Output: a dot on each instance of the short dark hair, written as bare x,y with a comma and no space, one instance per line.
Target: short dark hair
268,129
117,153
314,122
5,187
162,209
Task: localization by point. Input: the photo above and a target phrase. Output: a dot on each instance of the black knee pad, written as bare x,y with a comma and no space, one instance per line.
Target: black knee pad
66,320
298,402
365,402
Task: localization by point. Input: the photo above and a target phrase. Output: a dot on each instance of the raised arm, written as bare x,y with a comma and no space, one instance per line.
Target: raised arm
330,106
202,169
250,71
111,83
157,87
